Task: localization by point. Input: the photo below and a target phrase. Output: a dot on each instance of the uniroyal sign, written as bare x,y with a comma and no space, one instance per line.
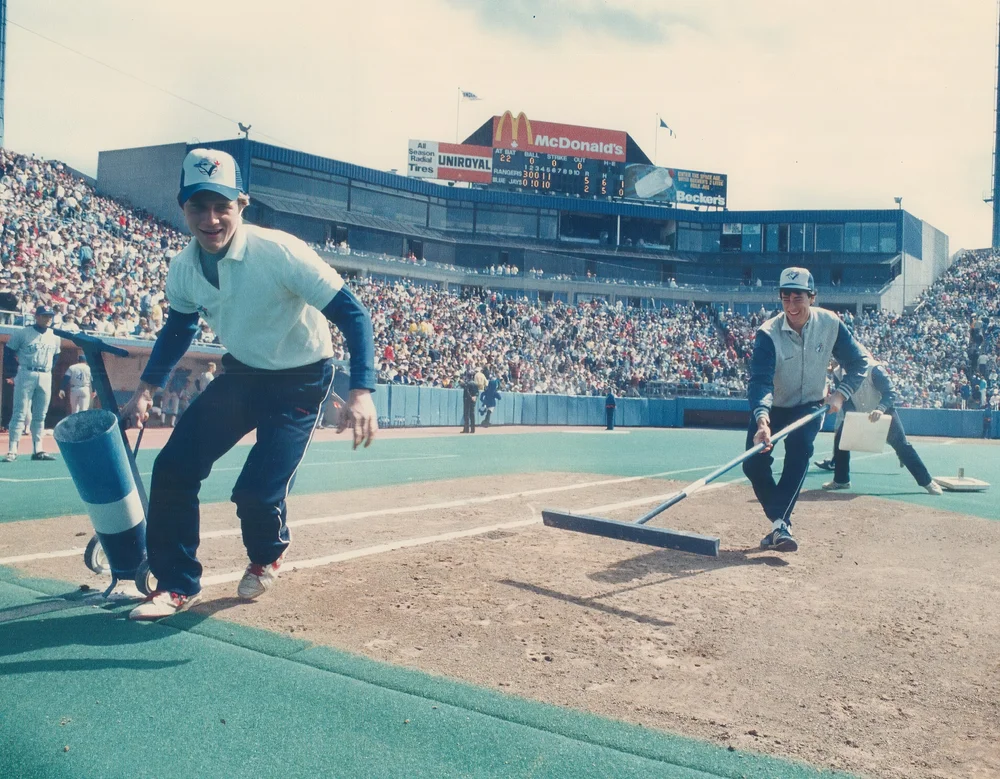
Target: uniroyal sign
521,133
450,162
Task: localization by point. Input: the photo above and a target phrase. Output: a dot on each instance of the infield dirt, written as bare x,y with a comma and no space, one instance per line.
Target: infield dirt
873,649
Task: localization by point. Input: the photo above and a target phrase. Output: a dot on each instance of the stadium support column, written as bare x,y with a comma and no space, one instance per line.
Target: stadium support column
996,155
618,232
3,66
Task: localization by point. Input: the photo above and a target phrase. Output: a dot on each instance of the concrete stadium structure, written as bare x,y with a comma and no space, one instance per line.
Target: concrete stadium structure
639,253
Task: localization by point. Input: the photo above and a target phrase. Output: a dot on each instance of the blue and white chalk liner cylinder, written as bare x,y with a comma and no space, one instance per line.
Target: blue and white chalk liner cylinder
92,447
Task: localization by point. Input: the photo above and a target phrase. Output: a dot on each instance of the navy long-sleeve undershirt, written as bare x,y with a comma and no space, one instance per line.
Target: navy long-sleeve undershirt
352,319
345,311
171,343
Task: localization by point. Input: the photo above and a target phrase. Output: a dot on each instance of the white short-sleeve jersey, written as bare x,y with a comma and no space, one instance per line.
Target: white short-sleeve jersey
79,376
267,309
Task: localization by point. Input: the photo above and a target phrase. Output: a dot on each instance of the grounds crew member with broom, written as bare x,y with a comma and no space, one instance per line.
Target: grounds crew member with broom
787,382
268,296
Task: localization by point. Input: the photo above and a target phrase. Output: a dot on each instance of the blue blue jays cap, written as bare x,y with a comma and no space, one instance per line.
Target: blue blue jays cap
208,170
797,278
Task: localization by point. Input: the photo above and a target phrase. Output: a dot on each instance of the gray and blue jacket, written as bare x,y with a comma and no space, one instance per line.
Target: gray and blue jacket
788,369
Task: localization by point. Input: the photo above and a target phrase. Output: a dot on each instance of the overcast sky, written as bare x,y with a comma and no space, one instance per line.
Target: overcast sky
803,105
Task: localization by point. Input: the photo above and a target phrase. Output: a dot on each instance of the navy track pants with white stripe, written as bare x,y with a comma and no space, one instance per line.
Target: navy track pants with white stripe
283,407
778,499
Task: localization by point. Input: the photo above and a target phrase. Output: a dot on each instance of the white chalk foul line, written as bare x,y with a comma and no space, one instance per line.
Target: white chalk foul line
24,558
654,498
354,554
460,502
394,510
316,562
303,465
451,504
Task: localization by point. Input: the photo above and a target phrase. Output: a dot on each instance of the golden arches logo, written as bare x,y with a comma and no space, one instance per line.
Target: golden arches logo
515,123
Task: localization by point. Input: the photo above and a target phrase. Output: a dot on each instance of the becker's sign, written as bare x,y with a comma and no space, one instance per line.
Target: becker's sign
450,162
673,185
524,134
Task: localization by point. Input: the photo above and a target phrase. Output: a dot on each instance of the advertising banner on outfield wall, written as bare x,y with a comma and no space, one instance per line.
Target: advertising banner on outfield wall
523,134
450,162
672,185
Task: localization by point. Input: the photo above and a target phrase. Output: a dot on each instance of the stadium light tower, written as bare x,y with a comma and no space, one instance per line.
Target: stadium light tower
902,254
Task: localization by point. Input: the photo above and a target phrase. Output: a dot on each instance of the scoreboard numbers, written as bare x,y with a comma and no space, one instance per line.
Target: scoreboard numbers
541,171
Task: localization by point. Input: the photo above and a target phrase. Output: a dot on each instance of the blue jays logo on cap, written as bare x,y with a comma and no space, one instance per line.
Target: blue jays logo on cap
212,171
208,168
796,278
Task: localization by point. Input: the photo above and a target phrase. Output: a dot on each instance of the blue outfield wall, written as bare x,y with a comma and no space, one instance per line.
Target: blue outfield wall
438,407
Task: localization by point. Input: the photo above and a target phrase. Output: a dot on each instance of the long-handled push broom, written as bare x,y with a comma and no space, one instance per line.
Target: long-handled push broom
657,536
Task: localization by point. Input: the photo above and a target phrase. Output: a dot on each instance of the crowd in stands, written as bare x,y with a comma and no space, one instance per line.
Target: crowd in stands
102,266
943,354
336,247
429,336
504,269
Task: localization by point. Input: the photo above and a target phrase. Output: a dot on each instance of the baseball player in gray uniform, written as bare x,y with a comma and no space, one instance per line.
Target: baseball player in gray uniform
80,385
36,348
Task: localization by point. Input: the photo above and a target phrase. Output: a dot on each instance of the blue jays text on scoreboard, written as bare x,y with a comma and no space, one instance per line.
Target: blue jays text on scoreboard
544,172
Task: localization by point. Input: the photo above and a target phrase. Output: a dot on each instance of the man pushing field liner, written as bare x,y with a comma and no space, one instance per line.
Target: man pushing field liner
268,296
787,382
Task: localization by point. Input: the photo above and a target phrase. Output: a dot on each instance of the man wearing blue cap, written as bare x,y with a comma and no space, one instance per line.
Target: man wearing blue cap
791,353
36,348
269,298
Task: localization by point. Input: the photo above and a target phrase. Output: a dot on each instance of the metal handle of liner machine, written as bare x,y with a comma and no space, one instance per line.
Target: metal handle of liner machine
694,486
695,543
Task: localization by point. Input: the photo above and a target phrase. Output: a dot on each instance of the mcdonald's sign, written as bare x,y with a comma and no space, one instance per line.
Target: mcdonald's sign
512,139
522,134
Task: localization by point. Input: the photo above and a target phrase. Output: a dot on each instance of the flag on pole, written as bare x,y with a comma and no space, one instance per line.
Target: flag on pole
663,125
470,95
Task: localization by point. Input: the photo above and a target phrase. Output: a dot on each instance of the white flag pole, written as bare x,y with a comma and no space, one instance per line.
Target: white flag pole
656,142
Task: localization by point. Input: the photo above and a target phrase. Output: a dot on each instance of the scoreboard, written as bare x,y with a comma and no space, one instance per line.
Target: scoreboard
519,154
556,173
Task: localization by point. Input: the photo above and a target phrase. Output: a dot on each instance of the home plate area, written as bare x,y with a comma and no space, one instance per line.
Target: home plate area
871,649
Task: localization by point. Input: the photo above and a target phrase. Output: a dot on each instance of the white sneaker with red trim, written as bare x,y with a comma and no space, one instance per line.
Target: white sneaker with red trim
162,604
258,579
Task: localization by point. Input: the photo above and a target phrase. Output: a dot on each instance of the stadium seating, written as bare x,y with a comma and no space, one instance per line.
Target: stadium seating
102,265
